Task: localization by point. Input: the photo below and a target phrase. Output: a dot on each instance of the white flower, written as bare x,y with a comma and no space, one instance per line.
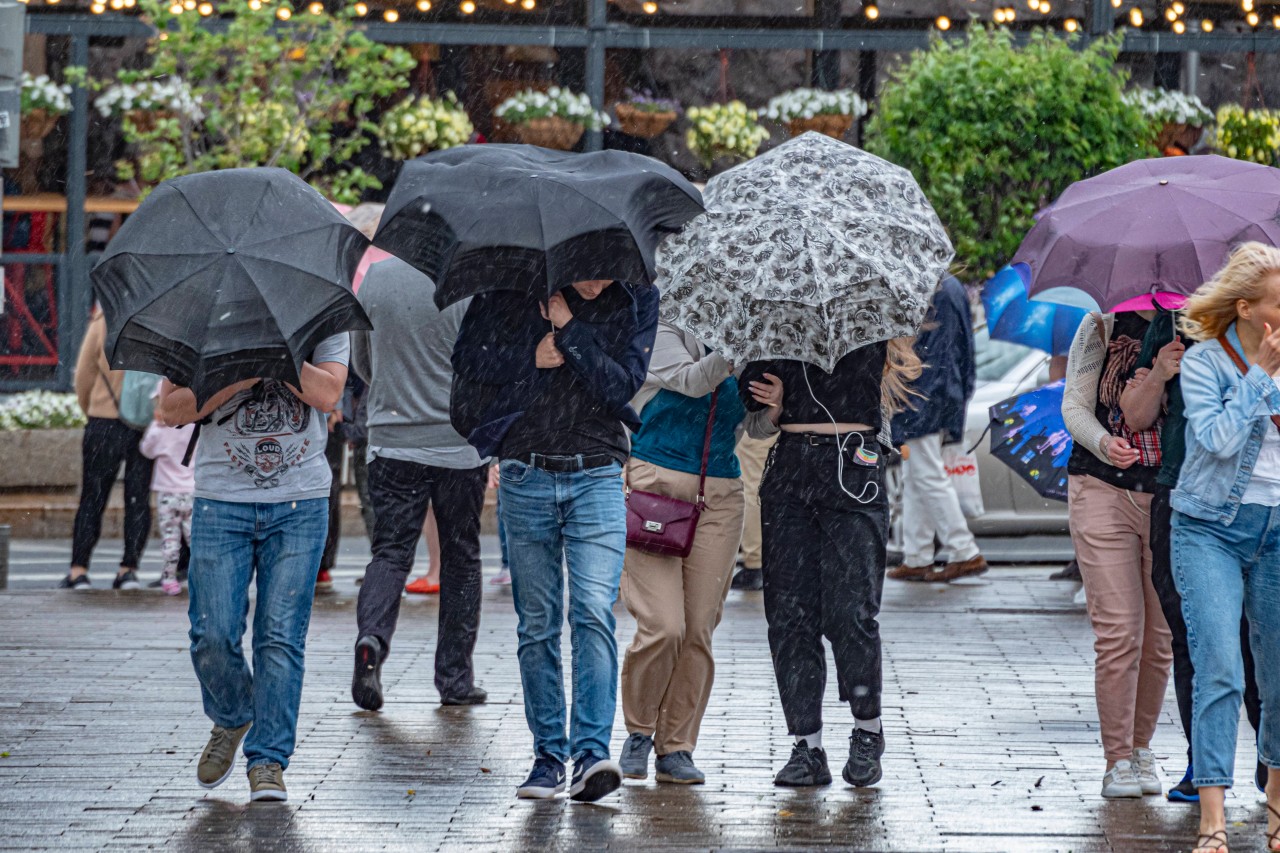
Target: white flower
807,103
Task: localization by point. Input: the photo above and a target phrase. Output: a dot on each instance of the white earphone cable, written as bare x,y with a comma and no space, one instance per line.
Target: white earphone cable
840,448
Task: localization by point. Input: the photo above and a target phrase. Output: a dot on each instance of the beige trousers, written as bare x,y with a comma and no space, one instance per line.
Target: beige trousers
668,669
1110,528
752,455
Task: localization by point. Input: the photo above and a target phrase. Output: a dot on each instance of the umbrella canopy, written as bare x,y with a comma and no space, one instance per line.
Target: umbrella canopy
1152,226
1029,435
479,218
1012,317
807,252
228,275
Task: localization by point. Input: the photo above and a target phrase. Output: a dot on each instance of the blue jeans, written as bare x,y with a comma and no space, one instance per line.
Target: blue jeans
282,544
550,519
1220,570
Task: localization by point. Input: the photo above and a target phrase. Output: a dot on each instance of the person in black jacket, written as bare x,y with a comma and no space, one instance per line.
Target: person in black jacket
545,388
930,507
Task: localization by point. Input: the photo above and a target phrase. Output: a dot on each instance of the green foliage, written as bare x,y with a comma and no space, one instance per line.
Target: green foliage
297,95
995,132
1252,135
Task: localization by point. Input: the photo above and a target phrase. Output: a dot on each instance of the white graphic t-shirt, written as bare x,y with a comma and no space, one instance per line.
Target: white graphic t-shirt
264,445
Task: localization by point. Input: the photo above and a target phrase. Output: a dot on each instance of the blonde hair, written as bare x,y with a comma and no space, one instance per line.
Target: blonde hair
1212,308
901,367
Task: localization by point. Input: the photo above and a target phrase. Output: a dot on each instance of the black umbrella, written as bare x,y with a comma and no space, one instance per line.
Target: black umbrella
479,218
224,276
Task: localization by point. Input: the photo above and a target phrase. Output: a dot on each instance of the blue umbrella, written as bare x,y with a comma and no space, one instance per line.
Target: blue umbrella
1029,435
1012,317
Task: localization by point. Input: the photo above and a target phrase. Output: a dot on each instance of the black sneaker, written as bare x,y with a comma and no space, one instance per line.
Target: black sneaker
545,780
807,767
182,574
634,760
126,580
156,584
593,778
1070,572
474,696
1184,791
748,580
366,681
863,767
80,582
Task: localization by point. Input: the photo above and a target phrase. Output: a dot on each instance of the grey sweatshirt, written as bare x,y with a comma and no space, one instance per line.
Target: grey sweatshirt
405,360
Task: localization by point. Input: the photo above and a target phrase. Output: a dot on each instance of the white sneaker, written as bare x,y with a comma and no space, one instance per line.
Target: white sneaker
1148,775
1120,782
502,578
1080,600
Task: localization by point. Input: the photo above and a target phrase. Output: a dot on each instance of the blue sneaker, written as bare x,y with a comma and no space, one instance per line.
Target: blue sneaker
593,778
545,780
1184,791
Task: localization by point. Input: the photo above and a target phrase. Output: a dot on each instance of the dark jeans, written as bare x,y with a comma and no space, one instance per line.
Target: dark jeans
824,562
360,470
401,492
1171,604
333,455
108,442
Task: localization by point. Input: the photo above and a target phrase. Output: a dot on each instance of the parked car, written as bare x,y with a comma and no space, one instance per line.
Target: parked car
1010,505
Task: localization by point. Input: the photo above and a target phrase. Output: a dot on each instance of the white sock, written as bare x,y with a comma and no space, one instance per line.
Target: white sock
813,741
872,725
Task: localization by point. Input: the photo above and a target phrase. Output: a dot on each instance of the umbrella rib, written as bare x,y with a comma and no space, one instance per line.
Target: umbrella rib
299,233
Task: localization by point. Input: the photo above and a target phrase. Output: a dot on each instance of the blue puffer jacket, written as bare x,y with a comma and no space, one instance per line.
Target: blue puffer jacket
945,345
1227,416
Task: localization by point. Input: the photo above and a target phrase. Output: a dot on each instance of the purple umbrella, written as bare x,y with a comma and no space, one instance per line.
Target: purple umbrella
1148,227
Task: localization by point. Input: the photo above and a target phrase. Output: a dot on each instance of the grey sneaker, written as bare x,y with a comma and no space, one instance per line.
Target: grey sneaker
1148,775
678,767
266,782
634,760
219,756
1121,783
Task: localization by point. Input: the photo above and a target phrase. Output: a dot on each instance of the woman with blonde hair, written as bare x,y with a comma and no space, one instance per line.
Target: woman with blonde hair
825,520
1111,478
1226,523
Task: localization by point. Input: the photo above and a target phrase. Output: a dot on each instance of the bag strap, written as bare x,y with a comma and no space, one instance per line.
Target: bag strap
1238,360
706,448
110,391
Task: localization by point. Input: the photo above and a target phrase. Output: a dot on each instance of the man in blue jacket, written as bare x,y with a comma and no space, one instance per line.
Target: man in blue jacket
545,388
930,507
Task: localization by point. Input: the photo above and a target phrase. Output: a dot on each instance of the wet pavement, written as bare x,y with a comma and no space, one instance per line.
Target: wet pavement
990,721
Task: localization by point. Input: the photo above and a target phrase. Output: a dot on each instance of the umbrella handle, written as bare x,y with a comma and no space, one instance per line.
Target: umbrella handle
984,435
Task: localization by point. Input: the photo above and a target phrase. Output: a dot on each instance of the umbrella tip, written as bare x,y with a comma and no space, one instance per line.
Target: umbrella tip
231,250
1164,182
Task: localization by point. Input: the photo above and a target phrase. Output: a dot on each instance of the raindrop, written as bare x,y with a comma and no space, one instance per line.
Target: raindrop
224,316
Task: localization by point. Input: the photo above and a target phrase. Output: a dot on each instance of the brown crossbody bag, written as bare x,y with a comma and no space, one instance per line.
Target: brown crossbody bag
665,525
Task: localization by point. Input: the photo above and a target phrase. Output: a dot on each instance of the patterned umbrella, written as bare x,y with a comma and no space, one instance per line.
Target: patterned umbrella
1028,435
807,252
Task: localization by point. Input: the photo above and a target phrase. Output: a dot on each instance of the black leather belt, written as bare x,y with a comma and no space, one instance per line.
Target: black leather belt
814,439
569,464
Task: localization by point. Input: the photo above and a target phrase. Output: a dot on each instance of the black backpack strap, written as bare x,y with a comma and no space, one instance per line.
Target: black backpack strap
191,445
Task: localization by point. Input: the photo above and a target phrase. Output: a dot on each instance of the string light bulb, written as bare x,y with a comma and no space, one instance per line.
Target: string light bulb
1251,19
362,9
1170,15
943,23
424,5
1179,27
1071,25
1179,8
1045,8
998,15
205,9
467,7
1135,16
255,5
1116,4
528,5
284,13
391,16
1033,5
119,4
1275,21
97,8
1246,5
175,9
316,8
650,8
1206,25
871,11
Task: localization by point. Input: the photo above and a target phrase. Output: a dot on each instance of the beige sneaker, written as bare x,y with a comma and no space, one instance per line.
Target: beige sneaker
219,756
266,782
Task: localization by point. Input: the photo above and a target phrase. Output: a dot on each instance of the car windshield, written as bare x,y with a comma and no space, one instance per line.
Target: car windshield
994,359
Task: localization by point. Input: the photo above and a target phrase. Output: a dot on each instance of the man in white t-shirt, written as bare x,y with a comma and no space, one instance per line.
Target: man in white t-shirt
261,510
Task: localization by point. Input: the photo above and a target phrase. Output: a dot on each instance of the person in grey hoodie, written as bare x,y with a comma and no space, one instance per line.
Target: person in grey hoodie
416,461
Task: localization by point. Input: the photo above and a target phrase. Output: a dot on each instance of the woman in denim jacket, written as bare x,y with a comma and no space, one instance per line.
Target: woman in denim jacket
1226,524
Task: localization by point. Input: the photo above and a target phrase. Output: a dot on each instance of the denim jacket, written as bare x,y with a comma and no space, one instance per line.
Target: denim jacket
1227,416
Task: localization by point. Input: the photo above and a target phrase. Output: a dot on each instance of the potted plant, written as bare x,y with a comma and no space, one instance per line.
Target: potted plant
724,132
1179,118
42,103
40,440
556,118
644,116
829,112
418,125
1252,135
144,102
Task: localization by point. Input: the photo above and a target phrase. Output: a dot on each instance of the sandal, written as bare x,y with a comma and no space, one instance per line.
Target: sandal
1210,841
1273,838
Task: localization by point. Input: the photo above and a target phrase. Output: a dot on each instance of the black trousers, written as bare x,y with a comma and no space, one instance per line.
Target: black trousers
333,455
1171,604
400,493
824,563
108,442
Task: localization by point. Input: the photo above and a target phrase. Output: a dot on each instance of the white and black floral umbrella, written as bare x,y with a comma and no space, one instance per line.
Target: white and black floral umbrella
807,252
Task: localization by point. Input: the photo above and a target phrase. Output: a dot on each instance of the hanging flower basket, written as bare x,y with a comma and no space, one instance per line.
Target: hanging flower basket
550,132
643,124
38,123
835,126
